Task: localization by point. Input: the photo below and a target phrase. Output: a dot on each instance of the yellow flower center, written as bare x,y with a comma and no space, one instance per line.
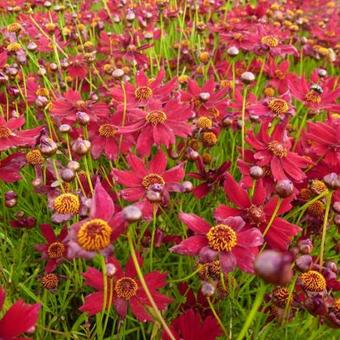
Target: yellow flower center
156,117
50,281
222,238
152,179
143,93
313,97
5,132
210,271
94,235
277,149
278,106
204,123
316,209
34,157
13,47
209,138
270,41
66,204
107,130
318,186
80,104
56,250
126,288
42,92
238,36
313,281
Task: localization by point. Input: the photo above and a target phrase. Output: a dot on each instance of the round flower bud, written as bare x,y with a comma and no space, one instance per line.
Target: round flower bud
64,128
48,146
247,77
41,101
305,246
10,195
187,186
233,51
132,213
83,118
274,267
11,203
332,181
192,154
67,175
110,269
81,146
204,57
284,188
256,172
207,289
227,122
117,73
37,182
304,262
322,72
73,165
332,266
153,196
204,96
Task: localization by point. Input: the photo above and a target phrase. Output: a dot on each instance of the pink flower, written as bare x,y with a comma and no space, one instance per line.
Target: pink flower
10,167
226,241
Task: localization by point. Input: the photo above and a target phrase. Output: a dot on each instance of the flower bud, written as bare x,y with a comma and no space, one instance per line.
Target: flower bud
247,77
64,128
118,73
256,172
32,46
83,118
305,246
332,181
10,195
192,154
274,267
73,165
204,96
67,175
41,101
81,146
187,186
132,213
322,73
110,269
332,266
48,146
11,203
207,289
153,196
304,262
233,51
284,188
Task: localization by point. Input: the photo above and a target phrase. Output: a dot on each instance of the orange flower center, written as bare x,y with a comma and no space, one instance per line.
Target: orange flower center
313,281
50,281
277,149
279,74
107,130
126,288
204,123
152,179
94,235
34,157
270,41
56,250
238,36
5,132
222,238
278,106
66,204
156,117
281,296
80,105
313,97
143,93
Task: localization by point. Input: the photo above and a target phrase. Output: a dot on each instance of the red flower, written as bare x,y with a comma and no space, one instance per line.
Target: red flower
97,232
11,137
277,74
190,326
227,241
274,151
78,67
158,124
324,139
258,212
141,179
314,96
19,318
55,249
10,167
145,90
66,107
124,290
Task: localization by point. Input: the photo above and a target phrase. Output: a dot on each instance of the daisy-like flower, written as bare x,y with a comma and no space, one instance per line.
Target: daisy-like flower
97,232
206,100
10,167
314,96
272,107
258,212
19,318
227,240
158,124
141,178
124,290
65,107
274,151
78,67
55,250
106,138
11,137
277,74
190,326
145,90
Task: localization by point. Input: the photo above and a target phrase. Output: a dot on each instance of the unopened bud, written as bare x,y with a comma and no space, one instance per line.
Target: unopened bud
132,213
284,188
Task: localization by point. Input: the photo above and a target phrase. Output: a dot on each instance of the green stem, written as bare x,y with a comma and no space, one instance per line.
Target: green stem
185,278
217,318
243,127
145,287
278,205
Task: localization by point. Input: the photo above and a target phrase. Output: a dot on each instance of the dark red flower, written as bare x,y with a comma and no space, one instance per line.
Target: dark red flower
18,319
78,67
190,326
55,250
124,290
227,240
10,167
11,137
258,212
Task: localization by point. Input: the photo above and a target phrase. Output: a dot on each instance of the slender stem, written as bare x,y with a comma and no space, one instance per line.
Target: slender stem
153,232
185,278
278,205
302,125
219,321
324,226
145,287
243,127
251,315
